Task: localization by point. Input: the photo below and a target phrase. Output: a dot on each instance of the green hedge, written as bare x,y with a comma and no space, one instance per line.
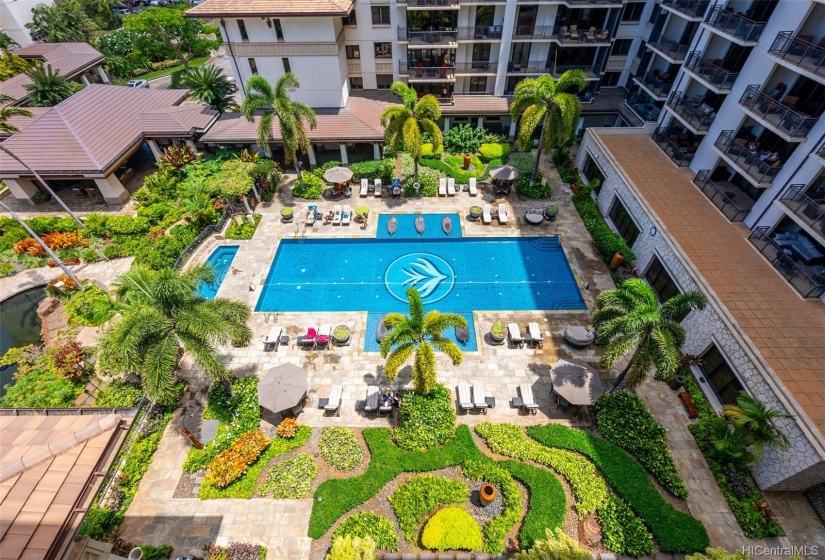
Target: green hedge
524,162
452,167
368,524
427,178
622,531
383,169
451,528
425,421
312,189
607,241
496,530
340,448
494,151
290,479
548,503
674,531
422,494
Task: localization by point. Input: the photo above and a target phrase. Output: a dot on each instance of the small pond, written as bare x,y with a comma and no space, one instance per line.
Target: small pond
19,326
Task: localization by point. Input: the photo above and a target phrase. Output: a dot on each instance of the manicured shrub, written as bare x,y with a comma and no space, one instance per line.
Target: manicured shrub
607,241
312,189
100,523
493,151
288,428
451,166
118,394
352,548
622,531
90,256
290,479
720,554
495,531
235,551
6,270
548,504
368,525
428,151
232,463
151,552
89,307
555,546
428,180
422,494
244,231
42,225
425,421
623,419
340,448
451,529
464,139
383,169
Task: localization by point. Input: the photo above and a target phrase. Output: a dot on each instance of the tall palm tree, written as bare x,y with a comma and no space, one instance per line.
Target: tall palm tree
756,420
207,84
631,319
164,317
292,115
419,333
48,87
547,101
405,124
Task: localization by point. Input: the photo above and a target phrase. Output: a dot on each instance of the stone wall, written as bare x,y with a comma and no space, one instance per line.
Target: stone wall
800,467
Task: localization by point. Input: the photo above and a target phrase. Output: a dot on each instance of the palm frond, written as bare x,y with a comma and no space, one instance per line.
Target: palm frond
397,358
530,119
157,374
427,108
424,369
571,80
413,140
205,357
617,348
449,348
681,304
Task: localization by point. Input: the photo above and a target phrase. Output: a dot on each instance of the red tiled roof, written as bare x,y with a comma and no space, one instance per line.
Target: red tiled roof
271,8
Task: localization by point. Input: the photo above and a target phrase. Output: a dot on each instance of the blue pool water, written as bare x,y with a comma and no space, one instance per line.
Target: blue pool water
221,259
406,227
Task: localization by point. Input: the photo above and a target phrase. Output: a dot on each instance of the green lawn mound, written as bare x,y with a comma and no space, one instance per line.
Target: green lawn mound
452,528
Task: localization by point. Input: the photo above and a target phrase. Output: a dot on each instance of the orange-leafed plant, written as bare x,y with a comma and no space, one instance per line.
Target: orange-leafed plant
68,283
69,240
29,246
69,360
230,465
288,428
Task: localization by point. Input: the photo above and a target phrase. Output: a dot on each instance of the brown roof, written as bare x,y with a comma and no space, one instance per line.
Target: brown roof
271,8
91,130
69,59
477,105
48,464
22,122
781,326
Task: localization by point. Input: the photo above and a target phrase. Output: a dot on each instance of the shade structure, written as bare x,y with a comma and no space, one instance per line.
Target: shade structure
338,174
282,387
576,382
503,172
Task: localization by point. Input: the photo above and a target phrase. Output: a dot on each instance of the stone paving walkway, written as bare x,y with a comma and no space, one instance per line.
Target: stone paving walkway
103,272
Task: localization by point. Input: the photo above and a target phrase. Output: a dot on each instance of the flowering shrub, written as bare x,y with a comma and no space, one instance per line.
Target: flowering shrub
288,428
235,551
232,464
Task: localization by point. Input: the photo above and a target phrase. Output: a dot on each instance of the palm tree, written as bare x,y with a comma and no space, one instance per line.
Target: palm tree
48,87
630,318
405,124
292,115
756,420
207,84
546,100
163,318
419,333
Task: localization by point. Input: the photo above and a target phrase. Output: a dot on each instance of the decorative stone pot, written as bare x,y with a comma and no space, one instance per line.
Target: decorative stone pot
498,338
467,164
487,493
287,218
341,338
136,553
617,260
475,213
676,383
550,214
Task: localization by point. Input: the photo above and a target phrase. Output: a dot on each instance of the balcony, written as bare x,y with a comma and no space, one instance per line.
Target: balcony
720,198
658,87
483,33
711,73
696,115
533,32
799,52
430,4
805,284
422,38
426,72
531,67
820,154
691,9
671,50
678,154
476,67
601,3
591,72
804,209
571,36
786,122
736,27
735,152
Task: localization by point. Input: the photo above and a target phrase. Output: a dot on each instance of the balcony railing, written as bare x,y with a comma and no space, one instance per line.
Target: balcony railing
424,69
821,151
430,3
559,69
711,72
690,8
591,2
531,67
804,284
476,67
698,116
672,49
427,37
799,52
747,161
656,85
580,36
532,32
785,119
482,32
808,211
734,24
678,155
719,199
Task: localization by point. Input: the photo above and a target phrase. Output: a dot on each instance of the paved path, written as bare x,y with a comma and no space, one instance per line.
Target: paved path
103,272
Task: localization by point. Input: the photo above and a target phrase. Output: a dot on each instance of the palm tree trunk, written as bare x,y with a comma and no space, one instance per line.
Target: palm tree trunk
620,379
246,207
297,169
227,384
415,162
538,153
255,192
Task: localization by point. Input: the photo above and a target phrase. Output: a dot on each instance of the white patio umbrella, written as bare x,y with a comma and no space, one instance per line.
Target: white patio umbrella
282,387
503,172
576,382
338,174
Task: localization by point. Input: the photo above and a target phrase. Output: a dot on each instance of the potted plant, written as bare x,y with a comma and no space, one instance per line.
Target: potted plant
475,212
551,211
341,334
498,332
361,212
286,214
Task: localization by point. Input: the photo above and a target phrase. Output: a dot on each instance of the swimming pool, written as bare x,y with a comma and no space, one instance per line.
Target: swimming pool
406,226
221,259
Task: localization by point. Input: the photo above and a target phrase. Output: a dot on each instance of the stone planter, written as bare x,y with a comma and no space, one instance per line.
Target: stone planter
286,218
339,337
136,554
550,214
487,494
475,214
676,383
498,338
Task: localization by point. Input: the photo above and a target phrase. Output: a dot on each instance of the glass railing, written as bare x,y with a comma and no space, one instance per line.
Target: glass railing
424,69
799,51
734,24
532,31
807,286
672,49
719,199
592,2
679,155
697,114
582,34
821,151
480,32
710,71
804,208
430,3
785,119
748,162
690,8
529,67
655,84
427,37
476,67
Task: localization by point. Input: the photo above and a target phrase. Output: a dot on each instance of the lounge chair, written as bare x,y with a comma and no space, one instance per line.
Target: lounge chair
311,215
442,186
365,187
273,339
377,190
480,397
465,401
502,214
371,400
308,340
451,187
322,340
528,402
347,215
534,216
472,187
536,338
486,216
579,337
514,334
333,403
336,216
384,406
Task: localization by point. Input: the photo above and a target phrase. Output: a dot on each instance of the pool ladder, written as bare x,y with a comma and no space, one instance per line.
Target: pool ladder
273,316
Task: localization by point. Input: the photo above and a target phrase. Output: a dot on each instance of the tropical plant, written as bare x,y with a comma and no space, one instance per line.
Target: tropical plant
12,65
630,318
547,101
352,548
730,445
207,84
181,35
178,157
452,528
197,203
464,139
419,334
61,22
6,41
292,115
405,124
165,316
718,554
557,546
48,87
757,422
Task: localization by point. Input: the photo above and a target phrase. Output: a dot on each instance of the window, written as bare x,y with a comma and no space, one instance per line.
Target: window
383,50
481,52
593,173
478,84
521,53
287,67
621,47
252,65
721,377
623,222
384,80
380,15
633,11
661,282
279,31
353,52
611,79
654,13
356,82
242,29
350,19
485,15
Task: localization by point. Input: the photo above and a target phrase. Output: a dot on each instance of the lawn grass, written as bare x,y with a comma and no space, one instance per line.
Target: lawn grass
548,504
194,63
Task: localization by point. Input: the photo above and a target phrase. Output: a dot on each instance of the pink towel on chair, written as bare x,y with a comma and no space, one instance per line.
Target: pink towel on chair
311,334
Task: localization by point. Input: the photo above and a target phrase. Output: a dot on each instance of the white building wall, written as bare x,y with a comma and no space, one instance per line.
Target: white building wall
15,14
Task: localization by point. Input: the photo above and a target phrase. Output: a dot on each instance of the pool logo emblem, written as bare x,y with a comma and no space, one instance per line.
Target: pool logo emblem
431,275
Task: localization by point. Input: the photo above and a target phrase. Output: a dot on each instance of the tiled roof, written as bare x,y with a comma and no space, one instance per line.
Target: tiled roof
22,122
271,8
477,105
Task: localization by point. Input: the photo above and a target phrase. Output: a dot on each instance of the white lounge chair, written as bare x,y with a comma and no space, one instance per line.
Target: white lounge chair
273,339
514,333
528,402
377,190
502,214
473,188
480,397
451,187
486,214
465,402
333,403
336,216
536,338
347,215
371,401
365,187
442,186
